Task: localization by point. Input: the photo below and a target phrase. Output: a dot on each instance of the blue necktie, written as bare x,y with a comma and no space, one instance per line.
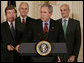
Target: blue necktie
12,30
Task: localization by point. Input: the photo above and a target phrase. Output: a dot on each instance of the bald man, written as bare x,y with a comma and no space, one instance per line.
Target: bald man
22,22
72,34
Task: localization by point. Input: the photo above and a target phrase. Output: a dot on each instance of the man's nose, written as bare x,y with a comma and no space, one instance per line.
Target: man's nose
24,9
11,14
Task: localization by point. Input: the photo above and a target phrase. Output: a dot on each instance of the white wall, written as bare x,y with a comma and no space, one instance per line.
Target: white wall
56,9
3,6
77,9
34,8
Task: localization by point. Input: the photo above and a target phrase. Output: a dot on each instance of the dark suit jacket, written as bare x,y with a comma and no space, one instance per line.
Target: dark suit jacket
73,37
6,39
20,28
35,34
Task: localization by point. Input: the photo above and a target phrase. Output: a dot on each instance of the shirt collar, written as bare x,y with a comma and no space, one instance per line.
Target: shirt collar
10,23
46,22
65,18
22,18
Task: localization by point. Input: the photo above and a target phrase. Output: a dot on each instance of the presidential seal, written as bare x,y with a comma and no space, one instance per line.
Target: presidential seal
43,48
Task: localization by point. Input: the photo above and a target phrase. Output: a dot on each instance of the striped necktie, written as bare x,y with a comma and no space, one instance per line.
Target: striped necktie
45,32
64,26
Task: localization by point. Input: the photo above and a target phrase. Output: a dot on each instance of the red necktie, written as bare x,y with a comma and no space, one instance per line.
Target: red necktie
45,32
24,22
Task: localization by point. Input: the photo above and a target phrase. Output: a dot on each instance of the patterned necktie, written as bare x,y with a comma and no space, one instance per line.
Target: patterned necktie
45,32
24,22
12,30
64,26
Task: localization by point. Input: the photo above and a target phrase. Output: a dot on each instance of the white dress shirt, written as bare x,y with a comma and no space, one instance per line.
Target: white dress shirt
67,19
10,24
47,25
22,19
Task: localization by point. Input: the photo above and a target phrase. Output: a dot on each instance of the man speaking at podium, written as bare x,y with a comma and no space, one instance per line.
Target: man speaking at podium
45,29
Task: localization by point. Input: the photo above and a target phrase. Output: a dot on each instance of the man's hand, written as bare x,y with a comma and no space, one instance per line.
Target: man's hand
17,48
10,47
71,59
59,60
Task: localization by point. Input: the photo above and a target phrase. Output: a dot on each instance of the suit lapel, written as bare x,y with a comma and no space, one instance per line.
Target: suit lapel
40,26
19,20
51,27
8,30
68,26
60,20
27,19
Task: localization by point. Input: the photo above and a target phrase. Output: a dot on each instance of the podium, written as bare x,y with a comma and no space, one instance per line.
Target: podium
29,49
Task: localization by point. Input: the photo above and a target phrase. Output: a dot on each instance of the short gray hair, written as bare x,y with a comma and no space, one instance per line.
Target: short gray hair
65,5
24,3
49,7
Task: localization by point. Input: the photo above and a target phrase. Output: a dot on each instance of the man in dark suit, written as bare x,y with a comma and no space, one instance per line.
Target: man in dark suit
36,32
8,43
72,33
22,22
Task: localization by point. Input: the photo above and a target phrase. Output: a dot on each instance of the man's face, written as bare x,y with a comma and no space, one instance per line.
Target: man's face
64,11
44,13
23,10
10,15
